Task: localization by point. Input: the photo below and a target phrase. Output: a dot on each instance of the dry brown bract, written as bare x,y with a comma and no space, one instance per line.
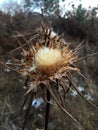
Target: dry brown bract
47,63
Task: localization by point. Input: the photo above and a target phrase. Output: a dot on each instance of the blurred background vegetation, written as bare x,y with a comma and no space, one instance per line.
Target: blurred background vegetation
75,25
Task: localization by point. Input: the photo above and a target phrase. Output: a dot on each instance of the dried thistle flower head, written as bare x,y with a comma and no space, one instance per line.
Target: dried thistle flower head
48,60
47,64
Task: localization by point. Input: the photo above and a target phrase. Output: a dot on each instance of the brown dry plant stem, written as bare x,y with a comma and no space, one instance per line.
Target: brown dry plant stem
28,111
47,110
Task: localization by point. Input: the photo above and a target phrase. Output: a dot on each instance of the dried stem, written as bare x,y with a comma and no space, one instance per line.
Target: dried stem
28,111
47,110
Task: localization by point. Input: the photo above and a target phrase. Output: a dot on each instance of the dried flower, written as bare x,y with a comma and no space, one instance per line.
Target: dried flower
47,63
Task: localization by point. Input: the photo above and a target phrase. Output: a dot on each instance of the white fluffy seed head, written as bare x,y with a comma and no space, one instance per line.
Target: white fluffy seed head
48,59
46,56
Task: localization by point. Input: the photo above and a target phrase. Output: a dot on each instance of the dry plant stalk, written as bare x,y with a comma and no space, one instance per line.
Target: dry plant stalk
47,63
